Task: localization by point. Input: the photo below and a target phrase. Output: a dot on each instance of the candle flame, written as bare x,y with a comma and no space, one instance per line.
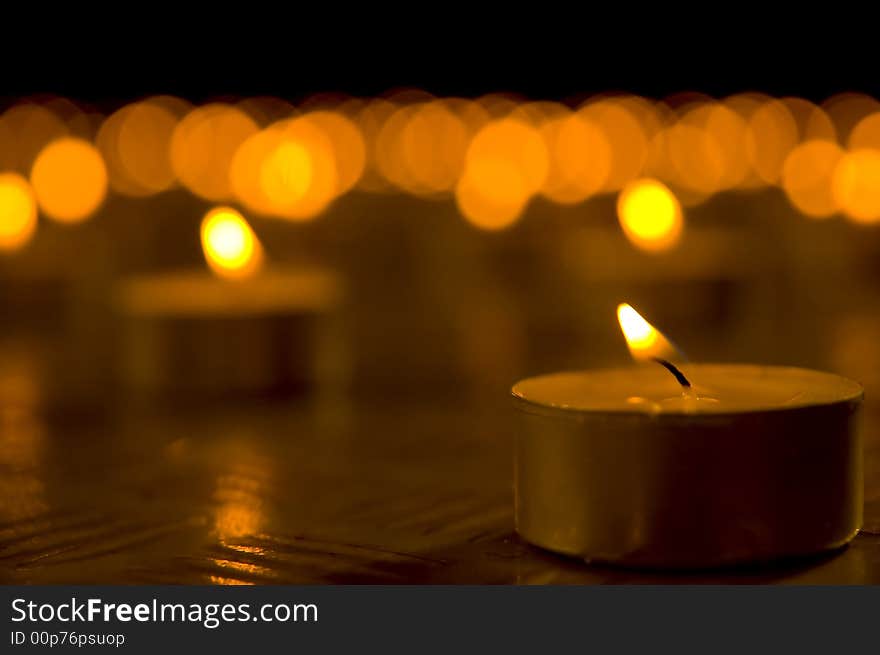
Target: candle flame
231,248
645,342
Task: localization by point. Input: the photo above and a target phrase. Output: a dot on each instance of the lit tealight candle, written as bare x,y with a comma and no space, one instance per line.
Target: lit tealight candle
242,328
676,465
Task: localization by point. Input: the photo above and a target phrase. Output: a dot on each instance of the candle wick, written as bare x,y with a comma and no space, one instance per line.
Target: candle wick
682,380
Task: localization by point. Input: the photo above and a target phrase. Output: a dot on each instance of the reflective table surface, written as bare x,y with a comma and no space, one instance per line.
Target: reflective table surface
391,492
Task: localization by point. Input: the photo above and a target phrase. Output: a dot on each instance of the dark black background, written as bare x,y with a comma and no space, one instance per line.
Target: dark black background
716,50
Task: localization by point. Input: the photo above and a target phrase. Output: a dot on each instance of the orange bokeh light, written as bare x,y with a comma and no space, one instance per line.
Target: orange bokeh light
347,143
812,121
203,145
856,185
506,164
287,170
389,155
579,158
517,142
494,154
866,133
727,127
492,193
69,180
433,143
806,177
697,159
143,145
624,133
107,142
772,133
18,211
650,215
24,130
370,119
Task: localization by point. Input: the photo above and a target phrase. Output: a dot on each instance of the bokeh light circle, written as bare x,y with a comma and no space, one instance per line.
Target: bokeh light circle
18,211
579,158
69,180
807,175
856,185
650,215
505,165
203,145
144,141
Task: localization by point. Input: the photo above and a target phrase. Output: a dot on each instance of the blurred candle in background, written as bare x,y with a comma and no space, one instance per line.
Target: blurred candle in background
244,327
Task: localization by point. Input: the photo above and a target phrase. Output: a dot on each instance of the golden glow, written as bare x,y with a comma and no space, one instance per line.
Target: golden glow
492,194
855,185
650,215
812,121
286,174
239,495
517,142
296,175
234,520
239,511
704,151
580,158
726,127
69,180
494,154
107,141
433,144
18,211
247,171
771,134
203,145
421,147
806,177
866,134
370,119
696,157
230,246
505,165
624,133
639,334
348,146
389,155
24,130
643,339
143,144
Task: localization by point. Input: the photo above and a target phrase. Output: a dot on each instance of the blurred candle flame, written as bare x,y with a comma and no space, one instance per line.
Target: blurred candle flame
231,248
18,212
650,215
69,179
645,342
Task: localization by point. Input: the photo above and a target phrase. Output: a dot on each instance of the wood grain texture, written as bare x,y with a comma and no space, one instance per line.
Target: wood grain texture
399,493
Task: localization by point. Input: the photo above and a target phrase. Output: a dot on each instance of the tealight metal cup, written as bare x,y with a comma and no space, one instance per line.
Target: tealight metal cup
679,491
